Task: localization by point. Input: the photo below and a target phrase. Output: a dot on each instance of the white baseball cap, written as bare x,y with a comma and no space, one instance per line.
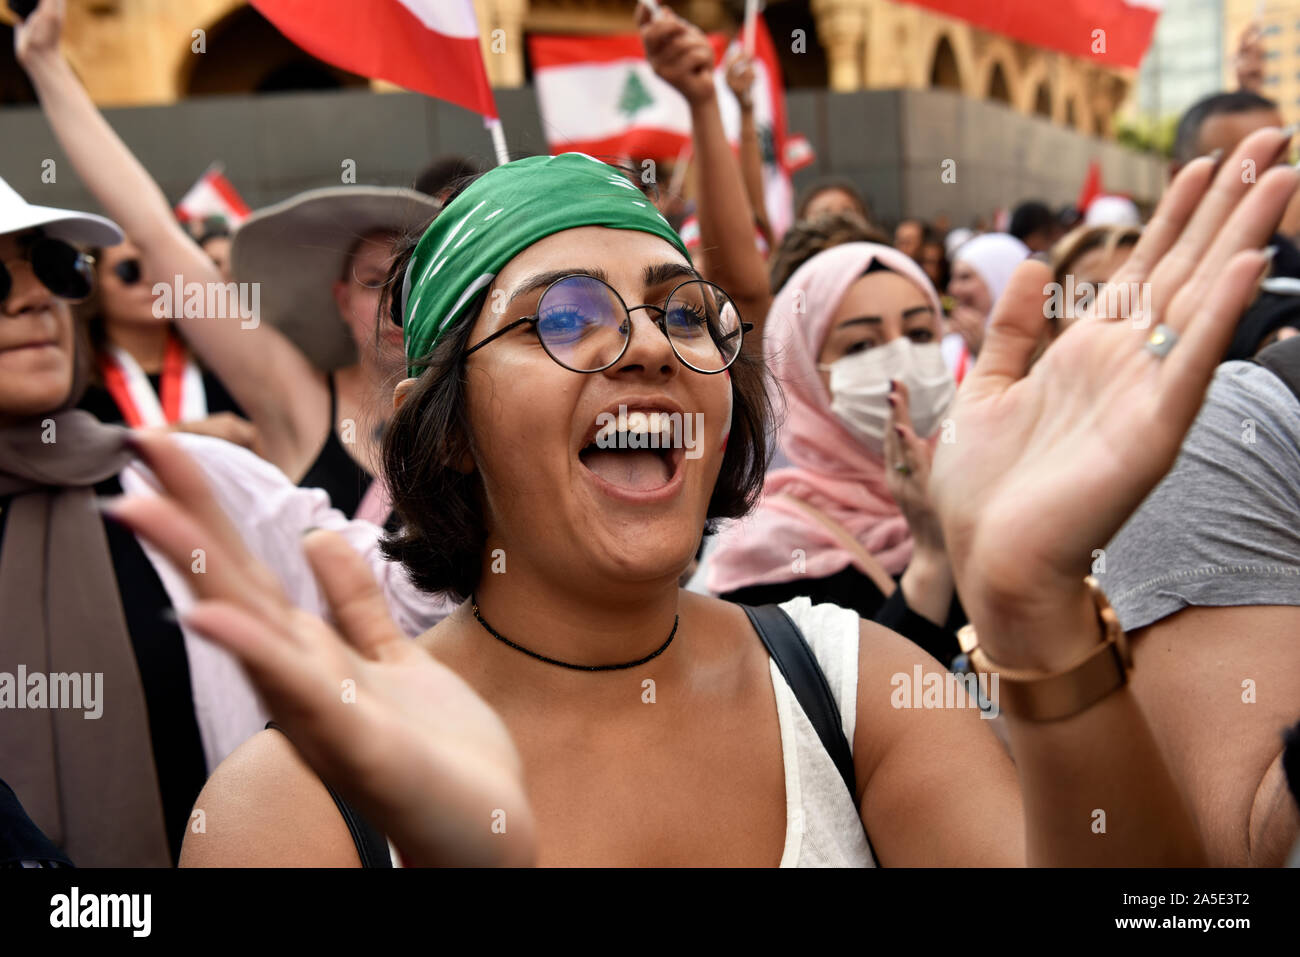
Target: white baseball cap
17,215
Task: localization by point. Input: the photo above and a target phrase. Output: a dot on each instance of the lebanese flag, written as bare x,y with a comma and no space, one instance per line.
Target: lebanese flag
430,46
213,195
598,95
1070,26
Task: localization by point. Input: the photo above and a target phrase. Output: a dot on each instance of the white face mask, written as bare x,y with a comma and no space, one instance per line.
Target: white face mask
860,388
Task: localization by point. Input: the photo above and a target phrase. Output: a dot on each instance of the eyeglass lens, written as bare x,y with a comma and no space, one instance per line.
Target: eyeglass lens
584,324
58,266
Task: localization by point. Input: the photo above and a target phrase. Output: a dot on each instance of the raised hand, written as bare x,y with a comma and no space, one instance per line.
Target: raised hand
1046,467
740,78
371,711
907,472
679,52
40,32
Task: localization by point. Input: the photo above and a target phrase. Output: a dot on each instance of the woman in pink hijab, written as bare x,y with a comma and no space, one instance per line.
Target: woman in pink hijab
852,340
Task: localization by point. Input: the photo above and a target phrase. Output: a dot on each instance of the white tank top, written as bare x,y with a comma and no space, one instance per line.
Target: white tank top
822,826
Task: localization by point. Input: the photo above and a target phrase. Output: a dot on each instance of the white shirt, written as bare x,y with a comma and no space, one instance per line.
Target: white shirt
271,514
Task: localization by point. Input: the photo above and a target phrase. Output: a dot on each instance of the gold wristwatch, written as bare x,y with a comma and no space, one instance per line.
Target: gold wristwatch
1051,696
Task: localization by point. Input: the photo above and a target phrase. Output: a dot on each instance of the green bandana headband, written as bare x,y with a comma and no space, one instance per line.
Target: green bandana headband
498,216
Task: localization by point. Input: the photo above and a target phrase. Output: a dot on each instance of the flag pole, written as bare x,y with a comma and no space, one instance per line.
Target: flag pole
751,14
493,123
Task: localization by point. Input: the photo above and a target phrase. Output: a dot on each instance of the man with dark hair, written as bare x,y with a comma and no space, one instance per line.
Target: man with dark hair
1033,223
1221,121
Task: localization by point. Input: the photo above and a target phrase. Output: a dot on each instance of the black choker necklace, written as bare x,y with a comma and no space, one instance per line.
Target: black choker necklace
564,664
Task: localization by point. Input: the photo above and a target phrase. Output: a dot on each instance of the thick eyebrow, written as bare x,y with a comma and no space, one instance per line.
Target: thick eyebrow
653,276
917,311
543,279
663,272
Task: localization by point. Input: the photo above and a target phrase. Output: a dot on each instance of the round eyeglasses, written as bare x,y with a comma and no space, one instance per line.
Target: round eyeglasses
585,326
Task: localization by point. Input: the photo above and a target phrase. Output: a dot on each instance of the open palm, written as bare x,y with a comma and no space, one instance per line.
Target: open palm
394,731
1046,466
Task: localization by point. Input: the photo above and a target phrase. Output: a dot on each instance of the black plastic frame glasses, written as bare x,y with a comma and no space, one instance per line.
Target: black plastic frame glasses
626,326
59,266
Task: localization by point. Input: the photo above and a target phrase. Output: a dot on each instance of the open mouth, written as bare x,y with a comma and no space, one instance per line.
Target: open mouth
636,453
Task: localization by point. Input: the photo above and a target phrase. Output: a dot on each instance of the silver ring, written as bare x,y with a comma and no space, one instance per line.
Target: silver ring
1161,340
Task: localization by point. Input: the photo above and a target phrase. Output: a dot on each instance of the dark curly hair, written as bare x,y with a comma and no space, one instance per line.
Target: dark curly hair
443,530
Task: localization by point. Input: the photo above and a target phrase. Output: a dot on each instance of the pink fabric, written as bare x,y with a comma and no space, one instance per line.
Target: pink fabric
832,470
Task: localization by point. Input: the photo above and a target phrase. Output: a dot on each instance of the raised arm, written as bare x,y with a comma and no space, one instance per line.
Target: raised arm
267,375
740,79
1045,468
682,56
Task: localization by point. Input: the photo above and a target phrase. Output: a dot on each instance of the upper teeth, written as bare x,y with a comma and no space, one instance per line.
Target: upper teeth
646,423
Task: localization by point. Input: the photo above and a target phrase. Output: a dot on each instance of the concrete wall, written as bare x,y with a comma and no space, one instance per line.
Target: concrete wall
891,142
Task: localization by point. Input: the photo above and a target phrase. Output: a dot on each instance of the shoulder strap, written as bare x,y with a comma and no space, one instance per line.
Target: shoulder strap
372,846
866,562
1283,360
796,661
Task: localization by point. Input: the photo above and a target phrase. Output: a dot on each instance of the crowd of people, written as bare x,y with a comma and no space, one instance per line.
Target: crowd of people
535,524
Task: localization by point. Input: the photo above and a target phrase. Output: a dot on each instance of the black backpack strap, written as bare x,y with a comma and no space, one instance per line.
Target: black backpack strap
1283,360
797,663
372,846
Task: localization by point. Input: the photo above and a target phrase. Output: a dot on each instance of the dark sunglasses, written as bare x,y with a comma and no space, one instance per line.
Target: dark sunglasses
60,267
128,272
585,326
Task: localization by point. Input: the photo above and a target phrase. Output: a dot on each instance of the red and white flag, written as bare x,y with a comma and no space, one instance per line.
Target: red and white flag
212,195
1116,32
599,95
430,46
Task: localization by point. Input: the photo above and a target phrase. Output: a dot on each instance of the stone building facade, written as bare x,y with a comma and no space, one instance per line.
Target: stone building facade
140,52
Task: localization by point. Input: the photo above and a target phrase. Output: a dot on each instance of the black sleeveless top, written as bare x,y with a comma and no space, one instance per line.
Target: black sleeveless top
335,471
372,846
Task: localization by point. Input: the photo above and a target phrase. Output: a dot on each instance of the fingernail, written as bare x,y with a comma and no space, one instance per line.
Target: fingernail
169,615
1290,131
108,503
1270,252
1217,157
309,529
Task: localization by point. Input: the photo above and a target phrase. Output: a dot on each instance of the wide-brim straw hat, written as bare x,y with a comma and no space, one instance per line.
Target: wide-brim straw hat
296,250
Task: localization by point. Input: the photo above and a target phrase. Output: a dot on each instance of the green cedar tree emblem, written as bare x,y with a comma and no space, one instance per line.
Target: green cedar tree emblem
635,97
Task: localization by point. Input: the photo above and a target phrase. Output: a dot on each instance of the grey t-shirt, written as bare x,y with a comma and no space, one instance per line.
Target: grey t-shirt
1223,527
